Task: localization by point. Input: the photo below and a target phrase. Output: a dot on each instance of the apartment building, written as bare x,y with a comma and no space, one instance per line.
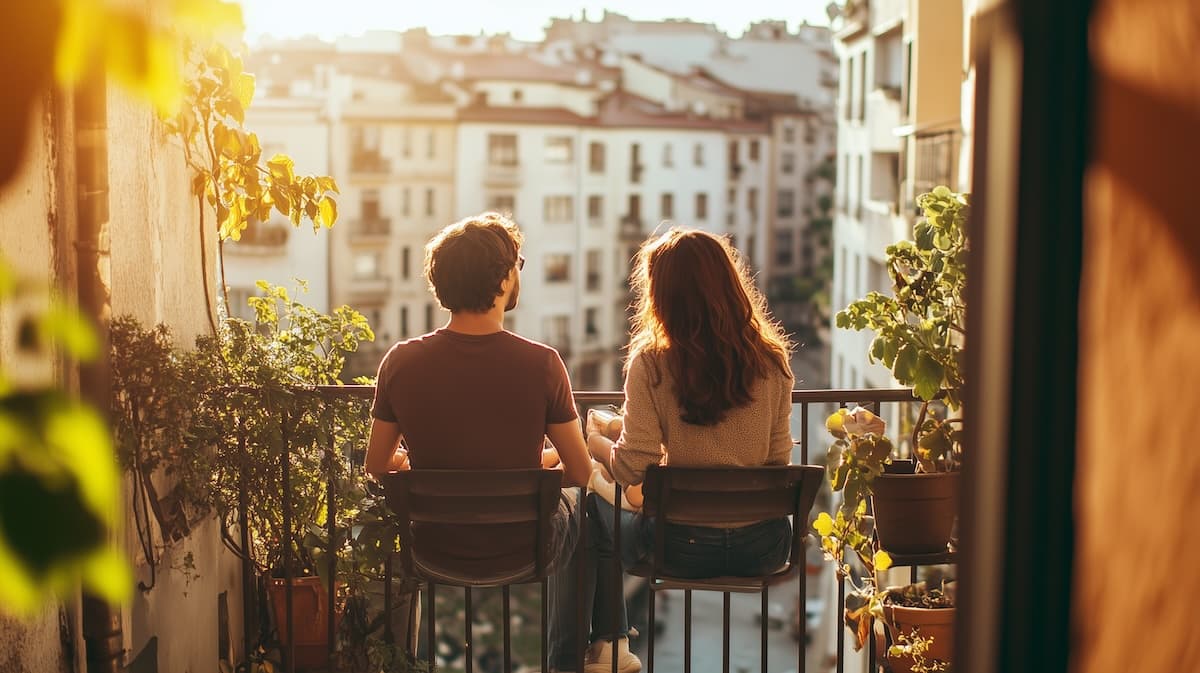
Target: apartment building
899,135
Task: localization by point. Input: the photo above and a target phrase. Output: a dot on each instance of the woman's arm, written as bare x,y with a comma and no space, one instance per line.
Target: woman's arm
780,452
641,442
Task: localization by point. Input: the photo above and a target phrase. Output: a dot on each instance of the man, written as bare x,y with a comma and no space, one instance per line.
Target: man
474,396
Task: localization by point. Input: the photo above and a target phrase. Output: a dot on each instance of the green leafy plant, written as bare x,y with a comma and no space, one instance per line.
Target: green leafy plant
919,327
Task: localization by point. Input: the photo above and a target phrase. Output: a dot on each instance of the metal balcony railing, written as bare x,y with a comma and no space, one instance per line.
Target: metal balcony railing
807,406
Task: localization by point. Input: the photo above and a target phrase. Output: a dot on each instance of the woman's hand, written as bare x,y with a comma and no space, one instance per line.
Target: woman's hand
399,461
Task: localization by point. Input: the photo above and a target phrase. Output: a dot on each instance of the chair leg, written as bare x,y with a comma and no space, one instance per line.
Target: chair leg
470,624
545,628
507,634
765,621
651,629
687,631
725,634
431,626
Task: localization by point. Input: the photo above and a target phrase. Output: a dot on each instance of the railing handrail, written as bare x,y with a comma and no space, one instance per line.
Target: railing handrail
799,396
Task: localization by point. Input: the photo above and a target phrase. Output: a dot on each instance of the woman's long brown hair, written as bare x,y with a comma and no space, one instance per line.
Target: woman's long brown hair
697,310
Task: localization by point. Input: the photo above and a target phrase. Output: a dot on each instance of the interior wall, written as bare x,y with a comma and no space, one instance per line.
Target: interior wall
1138,464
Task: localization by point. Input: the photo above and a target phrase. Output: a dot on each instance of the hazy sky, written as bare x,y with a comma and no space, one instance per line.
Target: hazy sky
525,19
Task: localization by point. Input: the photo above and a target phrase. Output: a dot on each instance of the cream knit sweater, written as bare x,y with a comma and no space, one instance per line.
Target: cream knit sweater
756,434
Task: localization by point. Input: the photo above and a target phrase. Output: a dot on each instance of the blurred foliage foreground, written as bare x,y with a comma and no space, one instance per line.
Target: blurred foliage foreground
60,499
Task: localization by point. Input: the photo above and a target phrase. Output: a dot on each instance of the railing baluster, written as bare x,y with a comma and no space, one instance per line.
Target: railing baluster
581,561
687,631
249,594
618,584
841,637
507,635
431,627
285,479
469,610
725,633
765,621
802,601
388,637
546,630
332,552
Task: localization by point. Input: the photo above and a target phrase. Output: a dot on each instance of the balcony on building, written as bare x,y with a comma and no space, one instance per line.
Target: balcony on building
261,239
368,289
636,170
632,228
936,163
502,174
368,231
369,162
887,15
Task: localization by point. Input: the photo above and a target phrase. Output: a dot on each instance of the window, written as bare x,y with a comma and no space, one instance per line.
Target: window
404,322
635,206
787,203
698,155
366,265
635,163
556,331
558,209
589,376
428,317
750,246
789,133
787,163
859,184
593,270
504,204
668,158
666,206
406,142
784,242
591,317
429,201
862,85
502,149
430,140
752,202
848,90
405,270
405,206
596,157
518,95
558,268
857,282
239,303
702,206
370,205
559,149
595,210
754,150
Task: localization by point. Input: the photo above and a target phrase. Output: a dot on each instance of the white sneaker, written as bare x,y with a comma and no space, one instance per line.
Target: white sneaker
599,658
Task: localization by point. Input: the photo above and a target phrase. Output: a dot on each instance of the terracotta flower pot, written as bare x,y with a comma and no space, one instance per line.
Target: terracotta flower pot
310,618
914,513
935,623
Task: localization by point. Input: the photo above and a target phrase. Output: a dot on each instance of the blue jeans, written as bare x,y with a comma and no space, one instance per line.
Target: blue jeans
697,552
601,594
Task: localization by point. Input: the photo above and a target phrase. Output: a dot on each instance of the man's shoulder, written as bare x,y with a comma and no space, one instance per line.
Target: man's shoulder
529,345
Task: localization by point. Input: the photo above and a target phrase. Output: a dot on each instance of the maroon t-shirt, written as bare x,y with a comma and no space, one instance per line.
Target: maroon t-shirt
466,401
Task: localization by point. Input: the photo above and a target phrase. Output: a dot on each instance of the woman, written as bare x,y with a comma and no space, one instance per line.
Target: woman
708,383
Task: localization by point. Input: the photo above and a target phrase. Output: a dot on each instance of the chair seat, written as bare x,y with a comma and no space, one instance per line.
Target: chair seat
431,573
745,585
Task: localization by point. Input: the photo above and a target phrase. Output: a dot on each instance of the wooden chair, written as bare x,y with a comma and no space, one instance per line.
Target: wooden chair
706,496
526,498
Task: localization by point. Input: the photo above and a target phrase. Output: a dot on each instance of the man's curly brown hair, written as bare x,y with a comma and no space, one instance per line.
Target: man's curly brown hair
466,262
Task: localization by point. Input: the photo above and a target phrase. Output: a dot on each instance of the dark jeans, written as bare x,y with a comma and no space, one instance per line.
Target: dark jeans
601,594
696,552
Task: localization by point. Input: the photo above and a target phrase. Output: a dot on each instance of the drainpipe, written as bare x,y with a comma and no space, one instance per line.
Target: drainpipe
102,636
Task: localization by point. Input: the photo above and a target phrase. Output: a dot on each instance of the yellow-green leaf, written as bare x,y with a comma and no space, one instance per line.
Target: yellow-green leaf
282,168
882,560
67,327
243,87
823,525
107,574
328,211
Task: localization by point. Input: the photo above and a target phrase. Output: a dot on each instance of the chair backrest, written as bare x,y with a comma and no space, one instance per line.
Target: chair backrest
709,496
526,499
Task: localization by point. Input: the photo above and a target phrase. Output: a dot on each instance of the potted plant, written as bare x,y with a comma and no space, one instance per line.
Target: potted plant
921,621
919,337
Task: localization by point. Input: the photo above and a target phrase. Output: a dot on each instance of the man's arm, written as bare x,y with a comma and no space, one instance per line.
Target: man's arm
572,451
383,449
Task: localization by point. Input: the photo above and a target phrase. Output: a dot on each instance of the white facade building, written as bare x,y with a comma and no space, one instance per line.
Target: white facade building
275,251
